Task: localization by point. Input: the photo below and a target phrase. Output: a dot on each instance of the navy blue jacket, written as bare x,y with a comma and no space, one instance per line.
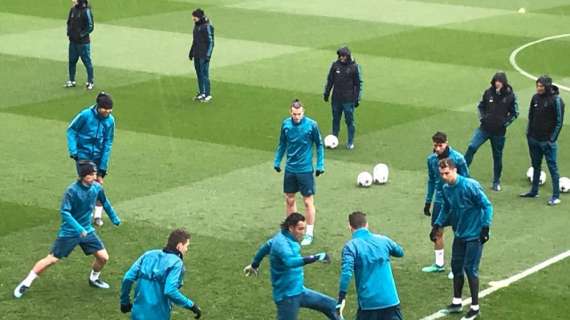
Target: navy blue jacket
203,40
79,25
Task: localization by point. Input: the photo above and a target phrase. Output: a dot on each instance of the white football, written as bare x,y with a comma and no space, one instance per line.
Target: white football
380,173
530,172
564,184
364,179
331,141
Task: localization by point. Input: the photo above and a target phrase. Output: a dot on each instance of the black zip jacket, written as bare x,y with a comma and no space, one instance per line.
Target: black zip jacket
546,115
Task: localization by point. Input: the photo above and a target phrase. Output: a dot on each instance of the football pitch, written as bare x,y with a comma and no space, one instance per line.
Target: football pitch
208,167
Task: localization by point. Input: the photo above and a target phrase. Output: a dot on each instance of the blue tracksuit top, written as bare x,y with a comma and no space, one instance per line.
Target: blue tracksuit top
435,184
287,276
367,255
90,136
468,206
159,275
297,140
77,208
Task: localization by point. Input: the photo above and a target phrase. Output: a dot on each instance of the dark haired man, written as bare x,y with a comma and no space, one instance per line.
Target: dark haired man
76,229
201,53
90,137
470,212
498,108
79,26
441,150
545,120
367,256
159,274
298,135
345,80
287,276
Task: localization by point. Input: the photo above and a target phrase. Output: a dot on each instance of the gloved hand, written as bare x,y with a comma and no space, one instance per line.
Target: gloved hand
356,103
322,257
325,97
126,308
434,230
427,206
208,59
277,169
74,157
341,303
197,311
484,235
250,270
190,55
101,173
319,172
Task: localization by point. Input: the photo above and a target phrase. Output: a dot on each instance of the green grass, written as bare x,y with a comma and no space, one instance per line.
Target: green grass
208,167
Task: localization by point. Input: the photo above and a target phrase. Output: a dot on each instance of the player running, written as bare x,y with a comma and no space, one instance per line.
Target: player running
90,137
441,150
76,229
287,276
298,134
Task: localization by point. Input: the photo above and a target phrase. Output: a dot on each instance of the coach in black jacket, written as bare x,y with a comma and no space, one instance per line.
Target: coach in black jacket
545,120
498,108
79,26
201,52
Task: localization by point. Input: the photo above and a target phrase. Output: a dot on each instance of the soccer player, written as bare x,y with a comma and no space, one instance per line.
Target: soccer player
90,137
76,229
159,275
298,134
498,108
287,276
201,52
545,119
367,255
470,213
79,26
441,150
345,80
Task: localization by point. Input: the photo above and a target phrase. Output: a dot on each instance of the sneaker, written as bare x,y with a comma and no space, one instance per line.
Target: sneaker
89,85
453,308
206,99
553,201
99,284
98,222
433,268
307,240
528,195
20,290
350,146
471,314
496,187
199,97
69,84
450,275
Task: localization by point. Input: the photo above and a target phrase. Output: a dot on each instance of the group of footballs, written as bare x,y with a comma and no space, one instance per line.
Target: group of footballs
380,172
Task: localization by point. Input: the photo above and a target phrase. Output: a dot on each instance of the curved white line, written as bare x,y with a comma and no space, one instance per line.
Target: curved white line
512,58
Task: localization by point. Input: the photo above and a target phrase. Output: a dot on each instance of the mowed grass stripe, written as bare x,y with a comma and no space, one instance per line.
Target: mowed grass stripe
16,23
507,5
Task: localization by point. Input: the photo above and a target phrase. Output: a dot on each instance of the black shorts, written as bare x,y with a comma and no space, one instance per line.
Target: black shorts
63,246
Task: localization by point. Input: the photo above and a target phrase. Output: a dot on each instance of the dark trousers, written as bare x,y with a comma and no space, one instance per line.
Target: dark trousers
288,308
465,259
538,150
202,67
338,108
391,313
497,146
83,51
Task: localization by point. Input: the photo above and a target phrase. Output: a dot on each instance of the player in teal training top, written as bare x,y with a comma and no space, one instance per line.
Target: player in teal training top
298,135
76,228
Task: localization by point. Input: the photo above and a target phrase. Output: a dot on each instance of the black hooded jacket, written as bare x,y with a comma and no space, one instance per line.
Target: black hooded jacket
546,115
498,109
346,80
203,41
80,24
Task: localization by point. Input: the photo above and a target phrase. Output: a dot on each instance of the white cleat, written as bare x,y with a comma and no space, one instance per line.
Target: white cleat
98,222
69,84
307,240
206,99
450,275
20,290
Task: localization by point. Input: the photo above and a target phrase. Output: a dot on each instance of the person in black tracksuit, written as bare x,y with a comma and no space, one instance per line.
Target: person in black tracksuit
497,110
545,120
201,52
345,80
79,26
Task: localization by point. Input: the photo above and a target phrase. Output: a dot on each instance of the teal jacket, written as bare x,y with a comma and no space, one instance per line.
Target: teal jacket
90,137
367,256
435,183
159,275
287,275
466,208
297,140
77,208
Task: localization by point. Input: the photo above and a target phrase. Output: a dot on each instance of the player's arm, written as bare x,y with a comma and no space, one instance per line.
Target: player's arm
480,198
210,40
530,116
558,107
129,279
90,25
443,213
318,141
108,207
292,260
67,217
462,167
280,152
329,84
172,285
346,271
481,106
513,111
263,250
73,132
395,249
107,146
430,183
359,84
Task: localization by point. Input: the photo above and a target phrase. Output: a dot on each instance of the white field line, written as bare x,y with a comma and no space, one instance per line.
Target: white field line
497,285
513,57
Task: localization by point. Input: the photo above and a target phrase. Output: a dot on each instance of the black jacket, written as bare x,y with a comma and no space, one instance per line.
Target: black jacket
203,41
346,80
79,24
497,110
546,115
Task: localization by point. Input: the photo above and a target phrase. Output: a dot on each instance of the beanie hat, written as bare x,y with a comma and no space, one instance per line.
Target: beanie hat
104,100
85,168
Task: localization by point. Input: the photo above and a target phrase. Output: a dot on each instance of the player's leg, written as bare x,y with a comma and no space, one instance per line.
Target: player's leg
439,263
497,146
457,267
348,109
98,211
473,251
85,53
317,301
479,137
550,155
206,79
536,153
336,108
288,308
200,94
92,245
73,57
306,182
290,189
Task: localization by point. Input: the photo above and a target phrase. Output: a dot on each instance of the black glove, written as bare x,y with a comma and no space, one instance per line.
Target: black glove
356,103
319,172
74,157
102,173
434,230
277,169
126,308
190,55
325,97
197,311
426,209
207,59
484,235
